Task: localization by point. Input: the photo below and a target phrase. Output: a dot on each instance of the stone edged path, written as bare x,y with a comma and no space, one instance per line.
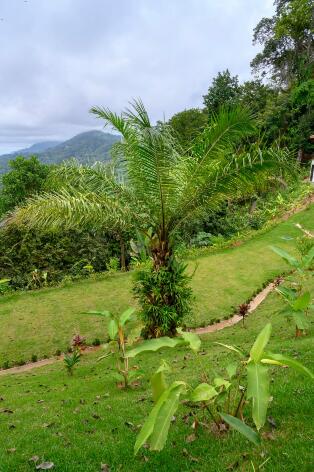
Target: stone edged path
254,303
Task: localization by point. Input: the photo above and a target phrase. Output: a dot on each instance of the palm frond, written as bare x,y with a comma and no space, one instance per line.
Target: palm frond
137,115
235,177
65,210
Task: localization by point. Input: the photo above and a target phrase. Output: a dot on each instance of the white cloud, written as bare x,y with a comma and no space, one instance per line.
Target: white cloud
61,57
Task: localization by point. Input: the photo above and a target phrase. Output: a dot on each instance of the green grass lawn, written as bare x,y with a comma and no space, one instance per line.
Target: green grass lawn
43,321
80,422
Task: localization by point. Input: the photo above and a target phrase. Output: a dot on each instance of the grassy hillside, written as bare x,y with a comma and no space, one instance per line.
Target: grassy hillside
221,282
82,422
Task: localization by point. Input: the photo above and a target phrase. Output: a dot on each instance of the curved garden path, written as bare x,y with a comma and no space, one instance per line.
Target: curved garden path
255,302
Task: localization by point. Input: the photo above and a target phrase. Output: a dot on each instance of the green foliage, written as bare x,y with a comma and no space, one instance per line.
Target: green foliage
4,286
33,259
287,40
304,244
26,177
298,306
188,124
301,264
165,298
113,264
242,428
224,91
153,345
250,377
71,360
118,341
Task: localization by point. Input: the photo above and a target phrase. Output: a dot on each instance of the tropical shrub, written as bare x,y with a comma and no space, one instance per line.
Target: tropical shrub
223,400
165,298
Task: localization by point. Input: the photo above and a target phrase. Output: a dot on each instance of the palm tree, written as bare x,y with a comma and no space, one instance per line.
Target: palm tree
164,187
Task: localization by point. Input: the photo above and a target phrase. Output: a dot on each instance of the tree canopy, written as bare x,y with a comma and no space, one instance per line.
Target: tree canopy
25,178
287,39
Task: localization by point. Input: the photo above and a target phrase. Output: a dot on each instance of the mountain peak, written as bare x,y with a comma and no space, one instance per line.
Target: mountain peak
86,147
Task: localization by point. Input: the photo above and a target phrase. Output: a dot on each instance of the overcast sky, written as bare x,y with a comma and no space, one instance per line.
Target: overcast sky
60,57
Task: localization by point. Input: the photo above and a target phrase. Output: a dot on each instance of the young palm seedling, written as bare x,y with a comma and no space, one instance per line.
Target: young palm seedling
71,360
223,400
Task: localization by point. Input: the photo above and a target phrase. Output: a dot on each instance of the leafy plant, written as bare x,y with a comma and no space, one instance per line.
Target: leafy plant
223,399
165,297
113,264
4,286
298,307
118,342
243,310
78,342
71,360
301,264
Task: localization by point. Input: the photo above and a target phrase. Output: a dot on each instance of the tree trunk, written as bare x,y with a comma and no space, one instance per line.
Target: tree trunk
122,255
161,254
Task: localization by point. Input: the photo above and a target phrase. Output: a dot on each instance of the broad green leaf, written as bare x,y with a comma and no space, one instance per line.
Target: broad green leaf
113,329
231,348
300,320
288,293
148,426
284,360
231,370
258,390
302,302
260,343
191,338
286,256
220,382
104,313
154,345
203,393
242,428
126,315
164,415
158,381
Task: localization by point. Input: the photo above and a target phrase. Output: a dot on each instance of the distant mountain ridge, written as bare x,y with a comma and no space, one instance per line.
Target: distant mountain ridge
87,148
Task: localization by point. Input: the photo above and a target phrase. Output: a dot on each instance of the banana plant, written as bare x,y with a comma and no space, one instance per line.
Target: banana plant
118,341
297,307
301,264
223,399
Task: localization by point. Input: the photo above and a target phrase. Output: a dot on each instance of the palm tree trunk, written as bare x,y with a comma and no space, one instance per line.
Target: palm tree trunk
161,254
